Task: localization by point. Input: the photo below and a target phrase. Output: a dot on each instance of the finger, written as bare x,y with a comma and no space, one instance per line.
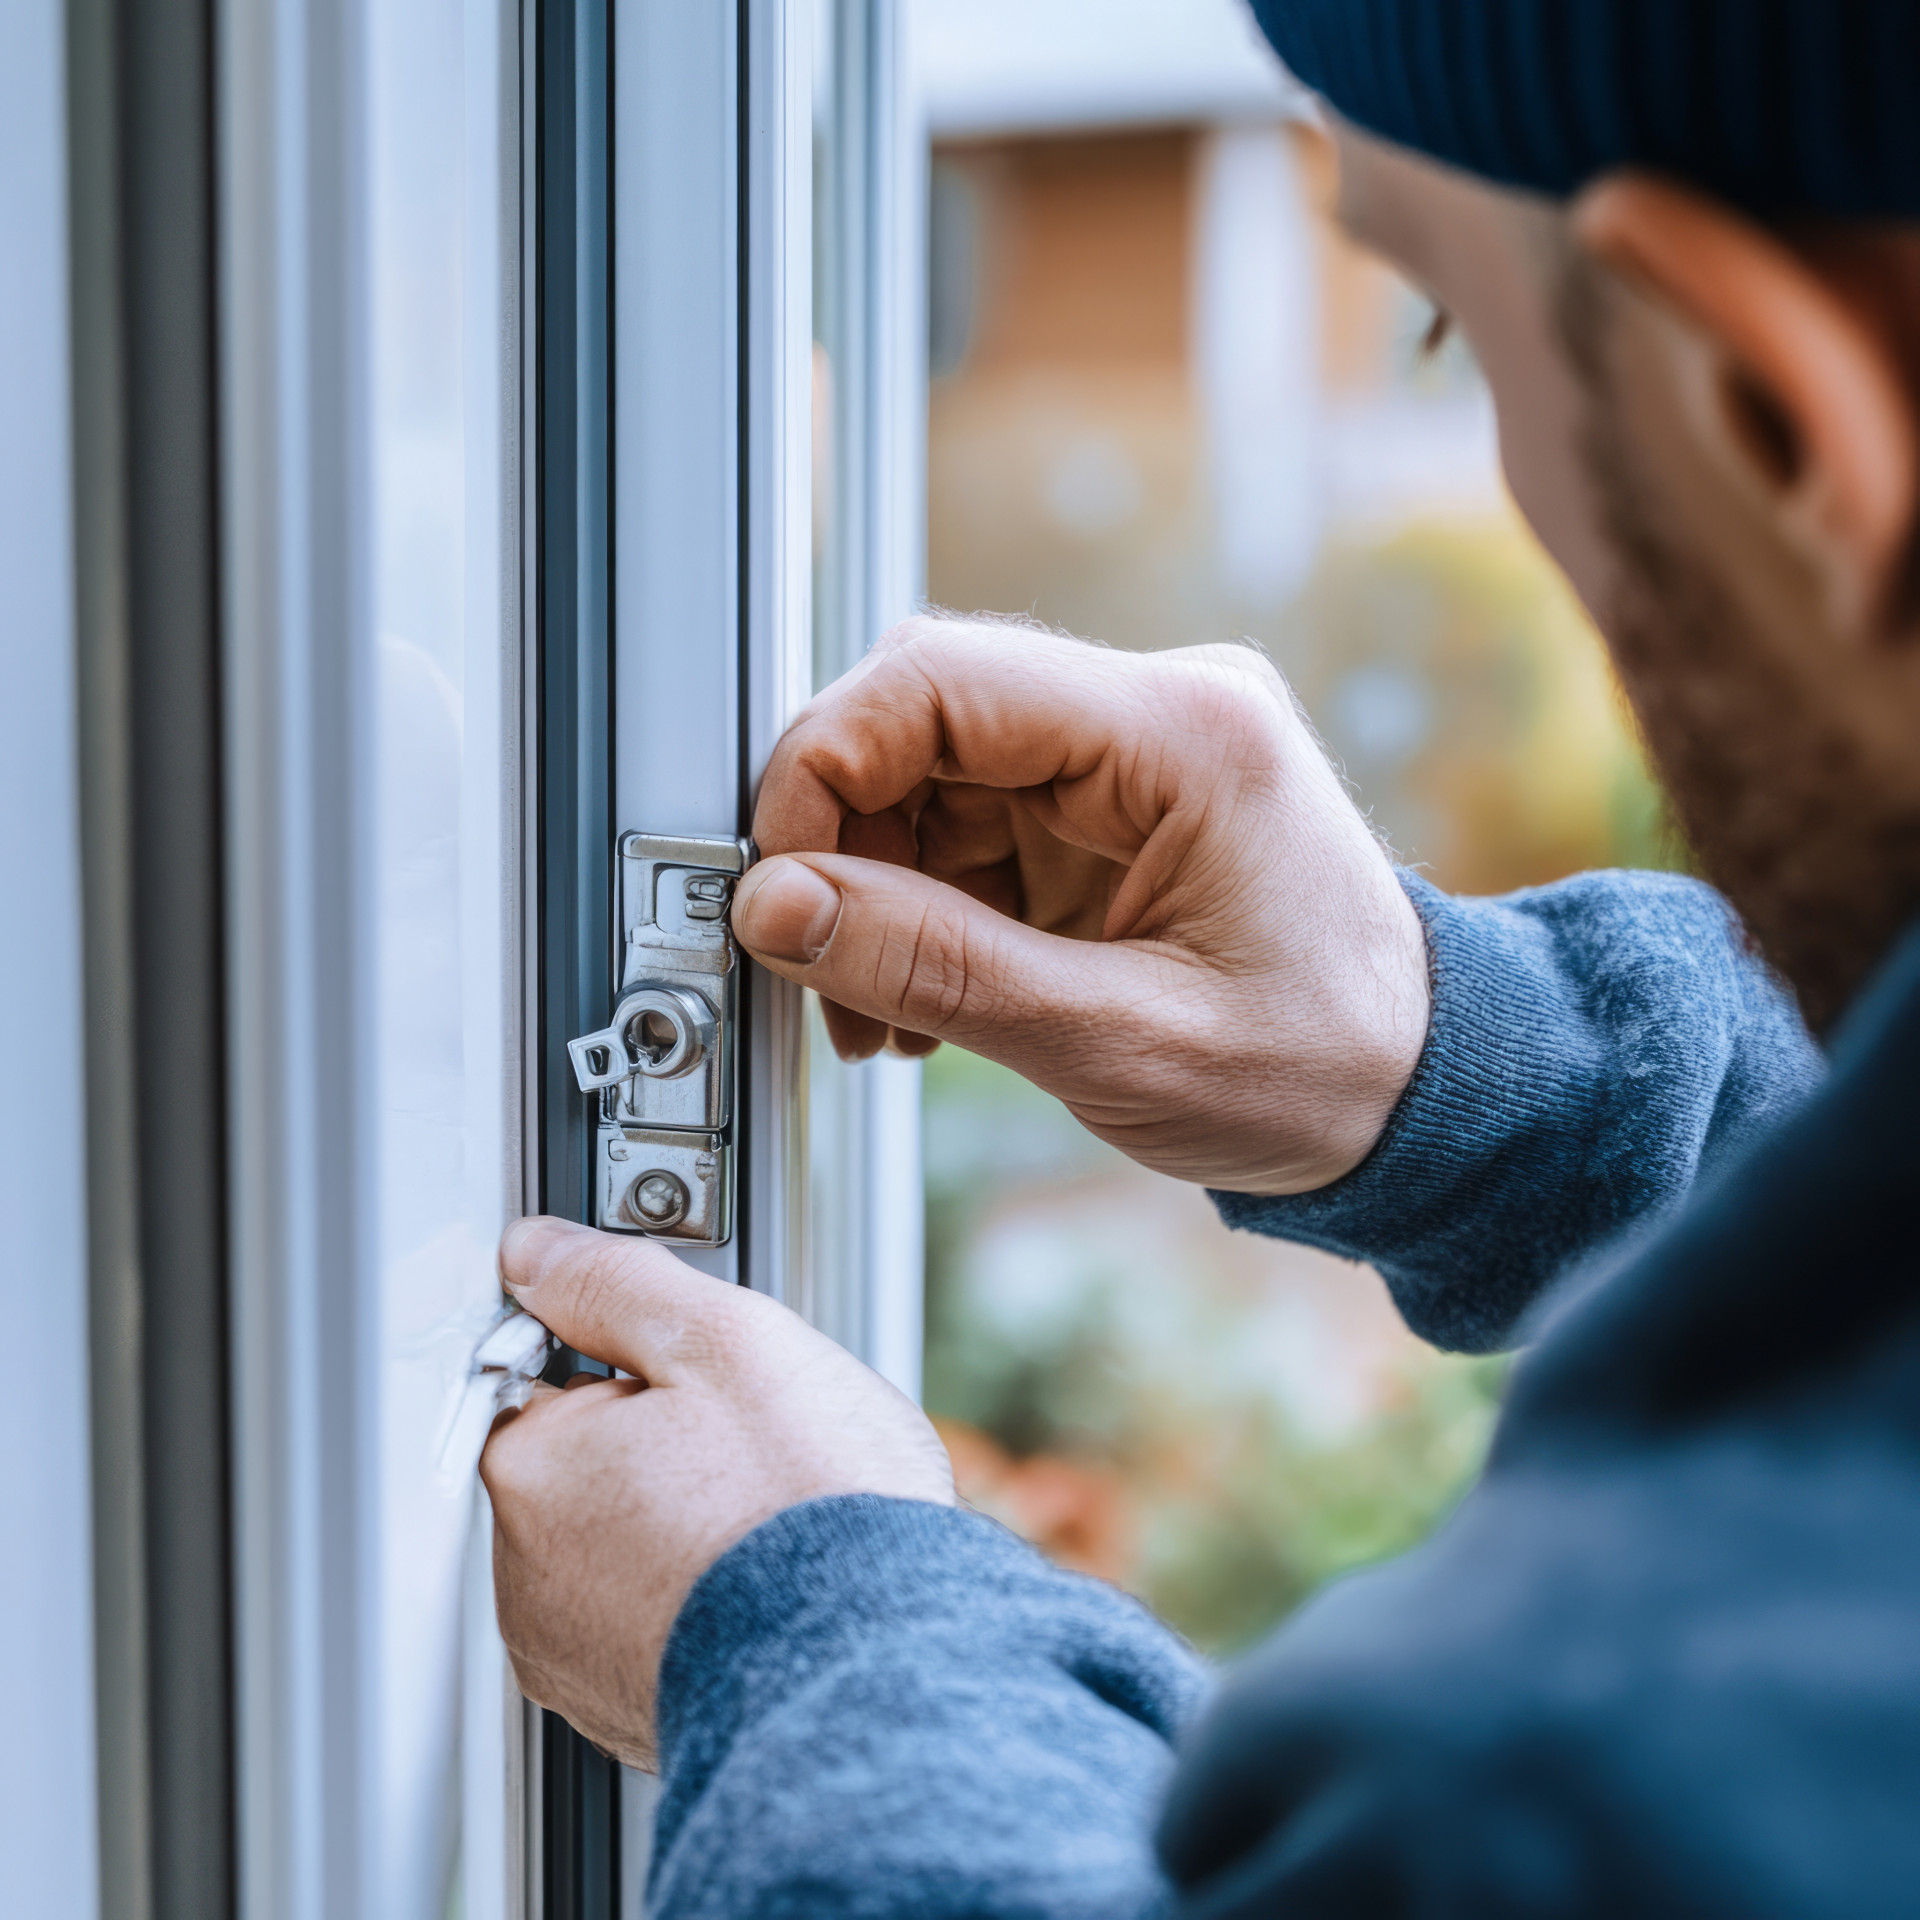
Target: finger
506,1451
626,1301
533,1422
921,956
997,706
534,1450
534,1392
1065,889
962,830
855,1036
879,836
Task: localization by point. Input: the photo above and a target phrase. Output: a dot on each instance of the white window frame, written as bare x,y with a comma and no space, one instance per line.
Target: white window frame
373,1708
871,149
48,1831
380,582
714,146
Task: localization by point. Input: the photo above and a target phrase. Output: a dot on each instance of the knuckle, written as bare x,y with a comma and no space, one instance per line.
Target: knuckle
1234,699
592,1294
935,970
718,1320
946,973
601,1290
910,631
709,1331
711,1346
942,644
507,1463
1233,679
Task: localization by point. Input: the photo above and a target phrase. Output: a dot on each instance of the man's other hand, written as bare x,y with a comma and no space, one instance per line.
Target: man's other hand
1133,878
612,1497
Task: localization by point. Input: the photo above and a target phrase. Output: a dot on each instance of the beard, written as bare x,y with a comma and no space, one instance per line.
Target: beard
1780,807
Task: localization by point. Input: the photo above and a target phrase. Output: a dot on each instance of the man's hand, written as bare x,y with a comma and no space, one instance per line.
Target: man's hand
1134,878
610,1499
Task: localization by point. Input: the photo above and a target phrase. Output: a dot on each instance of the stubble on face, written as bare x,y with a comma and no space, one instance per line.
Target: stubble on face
1780,805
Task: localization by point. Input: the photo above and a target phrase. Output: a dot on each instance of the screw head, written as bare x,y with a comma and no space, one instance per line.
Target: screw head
658,1199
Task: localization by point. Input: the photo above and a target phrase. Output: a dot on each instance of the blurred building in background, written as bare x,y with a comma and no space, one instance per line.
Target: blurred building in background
1171,403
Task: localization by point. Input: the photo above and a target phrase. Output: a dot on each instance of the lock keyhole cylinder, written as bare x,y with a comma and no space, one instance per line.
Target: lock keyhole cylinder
658,1033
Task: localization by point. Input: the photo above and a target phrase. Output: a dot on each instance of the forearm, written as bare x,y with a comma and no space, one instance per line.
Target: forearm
877,1708
1594,1045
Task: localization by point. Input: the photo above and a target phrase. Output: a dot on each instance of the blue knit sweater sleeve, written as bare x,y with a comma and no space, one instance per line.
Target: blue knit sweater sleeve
1594,1045
873,1708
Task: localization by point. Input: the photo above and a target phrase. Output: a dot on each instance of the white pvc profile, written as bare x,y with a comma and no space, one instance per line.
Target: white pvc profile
867,1254
713,556
368,175
676,449
303,1707
712,506
713,515
711,497
676,367
777,577
48,1834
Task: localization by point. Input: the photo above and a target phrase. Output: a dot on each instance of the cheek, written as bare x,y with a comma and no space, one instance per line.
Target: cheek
1543,413
1543,473
1542,427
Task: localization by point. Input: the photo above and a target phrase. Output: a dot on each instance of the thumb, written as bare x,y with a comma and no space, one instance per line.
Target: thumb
914,953
626,1301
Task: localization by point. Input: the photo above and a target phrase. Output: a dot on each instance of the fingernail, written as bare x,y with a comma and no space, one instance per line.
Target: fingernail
787,911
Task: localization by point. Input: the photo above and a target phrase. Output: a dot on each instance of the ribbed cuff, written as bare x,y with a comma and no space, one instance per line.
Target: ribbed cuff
1488,1106
809,1584
840,1578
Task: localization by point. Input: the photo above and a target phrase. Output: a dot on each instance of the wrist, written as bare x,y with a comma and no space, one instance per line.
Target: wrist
1397,1016
1326,1087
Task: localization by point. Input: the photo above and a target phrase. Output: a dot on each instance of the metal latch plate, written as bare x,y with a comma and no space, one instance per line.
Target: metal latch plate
662,1070
674,1186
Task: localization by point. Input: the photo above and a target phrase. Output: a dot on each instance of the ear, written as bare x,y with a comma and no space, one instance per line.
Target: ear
1818,422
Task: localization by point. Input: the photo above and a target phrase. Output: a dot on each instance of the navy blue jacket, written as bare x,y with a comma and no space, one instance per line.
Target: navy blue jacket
1665,1660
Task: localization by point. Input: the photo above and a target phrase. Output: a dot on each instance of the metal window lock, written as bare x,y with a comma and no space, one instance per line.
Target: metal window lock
662,1069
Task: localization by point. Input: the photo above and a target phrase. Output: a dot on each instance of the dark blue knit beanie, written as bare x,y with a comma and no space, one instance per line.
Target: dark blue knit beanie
1778,105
